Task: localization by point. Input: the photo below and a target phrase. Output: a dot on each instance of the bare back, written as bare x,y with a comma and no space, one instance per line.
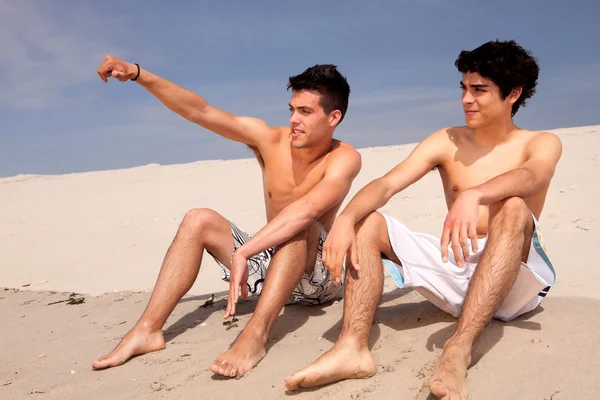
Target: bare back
468,164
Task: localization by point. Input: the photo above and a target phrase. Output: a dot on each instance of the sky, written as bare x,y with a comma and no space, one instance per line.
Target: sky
58,117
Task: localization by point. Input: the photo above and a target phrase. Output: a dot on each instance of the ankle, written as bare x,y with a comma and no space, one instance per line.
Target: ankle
259,330
146,328
459,347
352,341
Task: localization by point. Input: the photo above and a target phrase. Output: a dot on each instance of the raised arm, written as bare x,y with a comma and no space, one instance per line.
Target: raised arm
251,131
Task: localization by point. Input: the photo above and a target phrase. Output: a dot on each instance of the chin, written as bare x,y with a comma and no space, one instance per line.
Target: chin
473,124
298,144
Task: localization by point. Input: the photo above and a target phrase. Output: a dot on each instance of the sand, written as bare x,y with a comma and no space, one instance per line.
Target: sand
103,235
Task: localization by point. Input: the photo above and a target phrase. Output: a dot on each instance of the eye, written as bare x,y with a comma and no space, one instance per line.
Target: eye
480,90
462,88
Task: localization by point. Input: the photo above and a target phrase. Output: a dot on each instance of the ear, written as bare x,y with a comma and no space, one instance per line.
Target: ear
335,117
514,95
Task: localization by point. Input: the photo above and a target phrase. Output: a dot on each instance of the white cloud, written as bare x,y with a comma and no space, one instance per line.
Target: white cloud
47,48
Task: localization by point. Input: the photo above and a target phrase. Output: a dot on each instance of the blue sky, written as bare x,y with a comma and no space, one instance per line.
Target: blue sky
398,55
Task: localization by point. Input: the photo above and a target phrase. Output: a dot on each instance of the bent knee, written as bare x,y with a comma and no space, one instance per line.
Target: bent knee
198,220
371,228
514,208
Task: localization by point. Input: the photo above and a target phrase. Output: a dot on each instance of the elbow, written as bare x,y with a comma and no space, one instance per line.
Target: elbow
196,113
533,182
386,190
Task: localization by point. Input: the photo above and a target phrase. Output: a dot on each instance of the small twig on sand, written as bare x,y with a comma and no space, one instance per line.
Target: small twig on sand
72,300
231,324
209,302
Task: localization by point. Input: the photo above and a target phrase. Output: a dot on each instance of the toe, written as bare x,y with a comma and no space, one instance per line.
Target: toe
437,388
214,368
293,382
104,362
225,369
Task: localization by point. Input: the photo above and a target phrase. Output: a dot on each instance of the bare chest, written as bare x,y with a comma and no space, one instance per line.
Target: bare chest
463,172
285,181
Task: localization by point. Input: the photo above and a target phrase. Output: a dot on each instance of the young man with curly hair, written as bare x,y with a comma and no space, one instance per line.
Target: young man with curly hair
490,261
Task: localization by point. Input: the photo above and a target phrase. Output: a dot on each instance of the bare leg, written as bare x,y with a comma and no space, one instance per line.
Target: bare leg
200,229
350,356
510,230
284,273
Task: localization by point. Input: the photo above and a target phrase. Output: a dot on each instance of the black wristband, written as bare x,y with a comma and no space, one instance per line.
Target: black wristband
138,73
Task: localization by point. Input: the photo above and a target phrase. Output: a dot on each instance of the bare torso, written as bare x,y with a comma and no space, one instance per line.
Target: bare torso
286,179
470,164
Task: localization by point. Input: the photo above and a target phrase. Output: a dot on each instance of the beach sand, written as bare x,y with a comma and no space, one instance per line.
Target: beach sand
103,235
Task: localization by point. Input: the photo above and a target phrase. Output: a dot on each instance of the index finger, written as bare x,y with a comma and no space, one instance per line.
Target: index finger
102,76
230,305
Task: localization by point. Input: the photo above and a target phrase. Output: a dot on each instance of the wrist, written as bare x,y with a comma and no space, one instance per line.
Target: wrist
347,219
133,71
242,251
474,194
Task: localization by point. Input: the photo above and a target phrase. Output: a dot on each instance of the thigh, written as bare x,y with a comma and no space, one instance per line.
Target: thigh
223,239
529,230
316,285
374,229
257,264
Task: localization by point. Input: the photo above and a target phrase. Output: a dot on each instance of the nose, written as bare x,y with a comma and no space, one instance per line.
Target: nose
467,98
295,118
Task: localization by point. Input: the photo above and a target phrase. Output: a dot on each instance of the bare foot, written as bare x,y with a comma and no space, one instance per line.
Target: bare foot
135,342
449,382
242,356
343,361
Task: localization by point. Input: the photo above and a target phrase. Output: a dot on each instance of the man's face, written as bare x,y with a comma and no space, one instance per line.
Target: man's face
308,121
482,101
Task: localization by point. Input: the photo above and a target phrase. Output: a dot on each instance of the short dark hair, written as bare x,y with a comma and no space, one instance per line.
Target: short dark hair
328,82
505,63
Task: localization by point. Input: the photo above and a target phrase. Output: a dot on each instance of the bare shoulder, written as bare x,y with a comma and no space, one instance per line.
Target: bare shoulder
268,137
344,150
543,137
275,133
542,141
344,156
443,143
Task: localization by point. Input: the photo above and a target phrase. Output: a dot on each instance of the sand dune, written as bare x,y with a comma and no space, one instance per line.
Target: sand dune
104,234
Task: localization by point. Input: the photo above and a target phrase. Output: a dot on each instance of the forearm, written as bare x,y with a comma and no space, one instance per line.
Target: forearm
519,182
370,198
179,100
288,223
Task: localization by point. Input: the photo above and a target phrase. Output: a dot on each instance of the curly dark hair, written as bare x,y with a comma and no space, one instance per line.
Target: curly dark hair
328,82
505,63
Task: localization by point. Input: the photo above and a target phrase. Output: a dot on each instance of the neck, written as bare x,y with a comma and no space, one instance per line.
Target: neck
309,154
496,131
